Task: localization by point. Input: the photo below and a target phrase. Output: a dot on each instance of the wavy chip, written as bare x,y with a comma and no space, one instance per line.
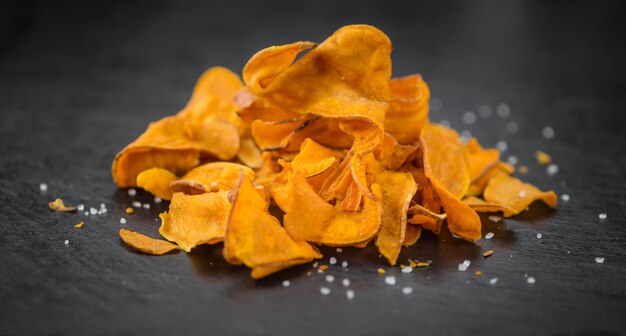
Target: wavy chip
157,182
145,244
510,192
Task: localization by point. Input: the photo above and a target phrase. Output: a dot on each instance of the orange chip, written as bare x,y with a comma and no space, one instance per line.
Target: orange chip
479,160
146,244
397,190
425,218
408,112
543,158
249,154
391,154
413,233
515,194
157,181
314,159
477,187
212,176
480,205
256,238
194,220
59,206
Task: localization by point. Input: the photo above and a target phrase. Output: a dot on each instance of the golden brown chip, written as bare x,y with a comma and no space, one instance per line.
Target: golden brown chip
210,177
249,154
256,238
157,181
413,233
194,220
477,187
59,206
515,194
397,189
425,218
314,159
146,244
408,112
479,160
480,205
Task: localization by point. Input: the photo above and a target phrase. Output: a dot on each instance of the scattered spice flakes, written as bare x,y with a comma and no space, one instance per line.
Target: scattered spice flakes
59,206
543,158
478,273
129,210
488,254
79,225
523,170
380,271
322,268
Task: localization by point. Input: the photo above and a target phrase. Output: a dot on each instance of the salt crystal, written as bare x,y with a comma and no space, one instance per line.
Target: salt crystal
131,192
469,117
602,216
494,218
407,290
489,235
103,211
93,211
345,282
136,204
122,220
80,207
522,193
599,260
445,123
435,104
324,290
102,206
344,264
315,264
407,269
86,213
547,132
503,110
349,294
565,197
530,280
66,242
484,111
157,199
390,280
330,278
43,187
539,235
493,281
512,127
146,206
463,266
512,160
286,283
339,250
502,146
332,260
552,169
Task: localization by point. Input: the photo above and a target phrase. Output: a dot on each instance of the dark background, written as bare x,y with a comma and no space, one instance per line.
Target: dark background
80,80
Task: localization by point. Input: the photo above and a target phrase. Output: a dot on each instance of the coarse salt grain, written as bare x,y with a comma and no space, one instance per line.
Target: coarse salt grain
484,111
136,204
464,265
512,160
552,169
407,290
123,220
102,206
539,235
512,127
330,278
315,264
600,260
43,187
80,207
286,283
565,197
503,110
489,235
344,264
602,216
339,250
530,280
502,146
407,269
146,206
522,193
324,290
131,192
86,213
158,199
93,210
493,281
332,260
66,242
469,117
350,294
494,218
390,280
547,132
345,282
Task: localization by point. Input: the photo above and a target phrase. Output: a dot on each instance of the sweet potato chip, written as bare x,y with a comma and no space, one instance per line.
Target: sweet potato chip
515,194
157,182
479,160
413,233
194,220
146,244
397,189
391,154
314,159
249,154
408,112
212,176
425,218
477,187
59,206
256,238
480,205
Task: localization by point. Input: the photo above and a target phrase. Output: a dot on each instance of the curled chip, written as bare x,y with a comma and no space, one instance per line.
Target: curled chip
196,219
425,218
59,206
480,205
146,244
157,181
408,112
516,195
479,160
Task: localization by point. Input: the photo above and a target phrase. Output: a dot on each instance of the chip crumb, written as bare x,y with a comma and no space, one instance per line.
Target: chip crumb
79,225
489,235
350,294
324,290
130,210
602,216
565,197
523,170
407,269
600,260
542,157
412,263
407,290
552,169
547,132
493,281
390,280
59,206
380,271
478,273
286,283
322,268
131,192
539,235
332,260
345,282
464,265
315,264
43,187
423,264
487,254
530,280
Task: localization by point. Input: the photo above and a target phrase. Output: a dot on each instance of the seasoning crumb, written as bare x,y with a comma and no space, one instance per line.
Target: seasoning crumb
324,290
80,207
345,282
350,294
330,278
93,211
469,117
600,260
522,193
286,283
390,280
322,268
380,271
146,206
547,132
502,146
315,264
332,260
478,273
407,290
512,160
494,218
339,250
43,187
493,281
489,235
158,199
464,265
130,210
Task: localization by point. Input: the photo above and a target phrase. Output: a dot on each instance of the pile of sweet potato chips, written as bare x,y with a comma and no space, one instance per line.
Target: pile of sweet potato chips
323,132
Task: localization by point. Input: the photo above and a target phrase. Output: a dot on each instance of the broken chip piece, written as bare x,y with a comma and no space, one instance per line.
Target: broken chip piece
145,244
59,206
